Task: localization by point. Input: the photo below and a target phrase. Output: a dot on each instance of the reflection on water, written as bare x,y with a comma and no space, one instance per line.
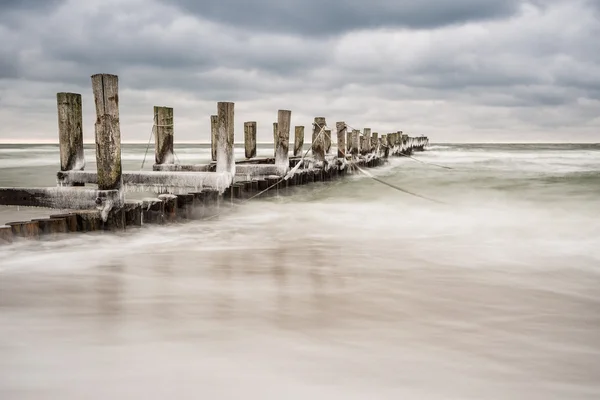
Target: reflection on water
341,291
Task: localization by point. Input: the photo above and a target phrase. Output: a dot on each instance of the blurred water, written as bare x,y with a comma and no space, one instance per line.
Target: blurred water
342,290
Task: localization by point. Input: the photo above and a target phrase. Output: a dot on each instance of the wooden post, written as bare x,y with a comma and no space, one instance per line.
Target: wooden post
163,141
348,140
375,142
185,205
327,138
274,137
25,229
89,220
153,211
385,141
341,138
6,235
225,137
170,204
133,213
355,142
282,142
367,140
250,139
298,140
52,226
70,131
213,137
318,141
108,133
70,220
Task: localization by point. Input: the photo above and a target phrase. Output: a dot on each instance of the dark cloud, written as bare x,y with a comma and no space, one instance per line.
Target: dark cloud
318,17
510,72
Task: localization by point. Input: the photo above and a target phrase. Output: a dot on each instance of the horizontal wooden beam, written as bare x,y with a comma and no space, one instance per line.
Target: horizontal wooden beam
73,198
156,181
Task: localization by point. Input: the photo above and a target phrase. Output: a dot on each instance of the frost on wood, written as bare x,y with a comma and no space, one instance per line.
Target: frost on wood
256,169
157,181
176,182
61,197
182,167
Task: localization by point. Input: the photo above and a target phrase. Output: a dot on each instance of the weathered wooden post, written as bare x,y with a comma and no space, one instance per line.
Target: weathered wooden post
367,142
163,124
375,142
318,140
52,227
355,143
108,132
225,138
385,142
298,140
70,131
274,137
282,142
6,234
341,138
348,140
250,139
213,137
70,219
25,229
327,139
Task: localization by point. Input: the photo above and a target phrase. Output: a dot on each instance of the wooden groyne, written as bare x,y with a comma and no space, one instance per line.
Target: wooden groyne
96,200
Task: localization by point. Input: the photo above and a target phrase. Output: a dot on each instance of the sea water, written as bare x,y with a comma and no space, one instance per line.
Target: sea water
485,287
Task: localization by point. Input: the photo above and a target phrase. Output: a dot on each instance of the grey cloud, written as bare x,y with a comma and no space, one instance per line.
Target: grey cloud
28,4
317,17
524,68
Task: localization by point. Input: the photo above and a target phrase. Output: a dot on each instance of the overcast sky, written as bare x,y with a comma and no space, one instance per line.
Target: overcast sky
455,70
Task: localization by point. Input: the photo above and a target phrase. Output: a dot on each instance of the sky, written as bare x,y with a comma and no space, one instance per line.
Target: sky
453,70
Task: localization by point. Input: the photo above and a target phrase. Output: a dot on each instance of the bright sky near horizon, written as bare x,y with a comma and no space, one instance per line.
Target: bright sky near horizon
455,70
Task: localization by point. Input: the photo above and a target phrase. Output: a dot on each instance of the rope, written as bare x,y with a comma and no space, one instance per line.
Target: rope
154,126
147,147
280,180
397,187
423,162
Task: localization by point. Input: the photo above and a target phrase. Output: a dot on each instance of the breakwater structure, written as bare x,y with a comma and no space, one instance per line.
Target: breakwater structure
96,201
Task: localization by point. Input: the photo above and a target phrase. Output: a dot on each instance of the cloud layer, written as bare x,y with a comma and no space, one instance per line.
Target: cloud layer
456,71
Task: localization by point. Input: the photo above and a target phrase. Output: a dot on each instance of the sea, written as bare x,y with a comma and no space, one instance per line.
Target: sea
475,274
